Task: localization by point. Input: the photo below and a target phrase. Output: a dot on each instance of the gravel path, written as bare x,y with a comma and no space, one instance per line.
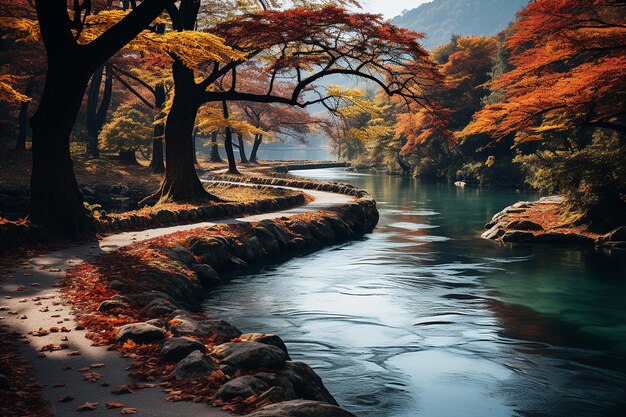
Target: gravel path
29,301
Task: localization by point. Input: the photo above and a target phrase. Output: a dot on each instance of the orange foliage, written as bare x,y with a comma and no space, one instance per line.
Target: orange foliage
569,60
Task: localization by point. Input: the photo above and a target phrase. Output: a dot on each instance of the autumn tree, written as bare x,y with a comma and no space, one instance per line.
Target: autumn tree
298,44
56,200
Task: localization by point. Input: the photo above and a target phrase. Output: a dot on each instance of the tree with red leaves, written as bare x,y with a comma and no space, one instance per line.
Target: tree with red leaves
569,58
302,46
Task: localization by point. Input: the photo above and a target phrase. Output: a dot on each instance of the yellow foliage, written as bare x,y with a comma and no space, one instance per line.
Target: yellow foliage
210,119
8,93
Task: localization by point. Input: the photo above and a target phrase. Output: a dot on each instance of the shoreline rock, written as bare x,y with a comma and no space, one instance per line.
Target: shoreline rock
507,227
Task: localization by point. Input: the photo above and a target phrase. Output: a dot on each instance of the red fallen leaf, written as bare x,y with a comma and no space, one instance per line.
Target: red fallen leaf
97,365
74,353
59,385
113,404
20,288
66,368
84,369
54,270
55,329
87,406
92,376
41,332
66,399
123,389
128,410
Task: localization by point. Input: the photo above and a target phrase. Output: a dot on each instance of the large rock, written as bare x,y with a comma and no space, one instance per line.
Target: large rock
177,348
243,387
268,339
206,274
250,355
518,237
220,330
306,383
194,365
140,333
301,408
160,307
524,225
181,254
114,303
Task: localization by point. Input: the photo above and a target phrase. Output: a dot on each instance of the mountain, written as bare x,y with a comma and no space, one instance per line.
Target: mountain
440,19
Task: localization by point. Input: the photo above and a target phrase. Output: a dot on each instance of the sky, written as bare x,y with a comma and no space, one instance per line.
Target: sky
390,8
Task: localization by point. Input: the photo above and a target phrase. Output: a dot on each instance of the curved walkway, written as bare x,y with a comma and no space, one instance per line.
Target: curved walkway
31,301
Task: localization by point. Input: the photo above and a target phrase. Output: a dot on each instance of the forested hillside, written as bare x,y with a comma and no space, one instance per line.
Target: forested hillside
441,19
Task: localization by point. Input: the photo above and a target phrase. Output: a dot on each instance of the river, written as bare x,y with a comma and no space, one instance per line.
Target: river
423,318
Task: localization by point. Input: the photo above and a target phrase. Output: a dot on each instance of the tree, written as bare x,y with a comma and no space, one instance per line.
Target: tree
568,61
301,44
129,128
56,200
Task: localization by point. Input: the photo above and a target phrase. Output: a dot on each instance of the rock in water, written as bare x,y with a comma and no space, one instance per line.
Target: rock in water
193,326
195,365
301,408
524,225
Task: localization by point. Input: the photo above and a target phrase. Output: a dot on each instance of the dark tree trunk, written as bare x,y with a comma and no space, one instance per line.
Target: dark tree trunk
128,157
195,150
181,182
20,144
255,148
242,150
228,144
156,163
56,200
215,150
96,114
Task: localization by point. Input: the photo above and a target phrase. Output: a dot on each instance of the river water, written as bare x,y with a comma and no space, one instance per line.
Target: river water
424,318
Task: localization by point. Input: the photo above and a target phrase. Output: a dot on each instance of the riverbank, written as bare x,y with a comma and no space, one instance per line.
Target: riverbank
328,219
540,222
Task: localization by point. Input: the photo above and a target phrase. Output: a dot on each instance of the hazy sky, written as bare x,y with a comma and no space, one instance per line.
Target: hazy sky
390,8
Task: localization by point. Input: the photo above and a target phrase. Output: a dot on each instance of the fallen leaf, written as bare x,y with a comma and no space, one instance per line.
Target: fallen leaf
66,399
128,411
97,365
113,404
74,353
59,385
87,406
123,389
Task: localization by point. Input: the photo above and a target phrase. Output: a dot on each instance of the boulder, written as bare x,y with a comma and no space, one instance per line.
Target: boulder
160,307
115,302
181,254
306,383
341,228
268,339
176,348
206,274
267,239
517,237
194,365
524,225
323,231
617,235
140,333
301,408
242,387
250,355
202,327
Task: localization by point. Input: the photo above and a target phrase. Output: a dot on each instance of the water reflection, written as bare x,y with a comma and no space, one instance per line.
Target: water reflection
422,318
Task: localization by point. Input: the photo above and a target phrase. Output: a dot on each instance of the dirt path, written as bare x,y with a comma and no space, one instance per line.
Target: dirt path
30,301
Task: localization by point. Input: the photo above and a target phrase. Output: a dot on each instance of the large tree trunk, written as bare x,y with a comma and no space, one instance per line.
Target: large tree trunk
56,200
194,143
215,150
242,150
181,182
96,114
156,163
20,144
258,139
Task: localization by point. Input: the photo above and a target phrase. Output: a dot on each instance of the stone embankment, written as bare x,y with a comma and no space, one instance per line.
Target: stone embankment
530,223
156,304
13,234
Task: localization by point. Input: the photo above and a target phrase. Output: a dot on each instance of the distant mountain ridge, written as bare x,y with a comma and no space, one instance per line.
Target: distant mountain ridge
440,19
